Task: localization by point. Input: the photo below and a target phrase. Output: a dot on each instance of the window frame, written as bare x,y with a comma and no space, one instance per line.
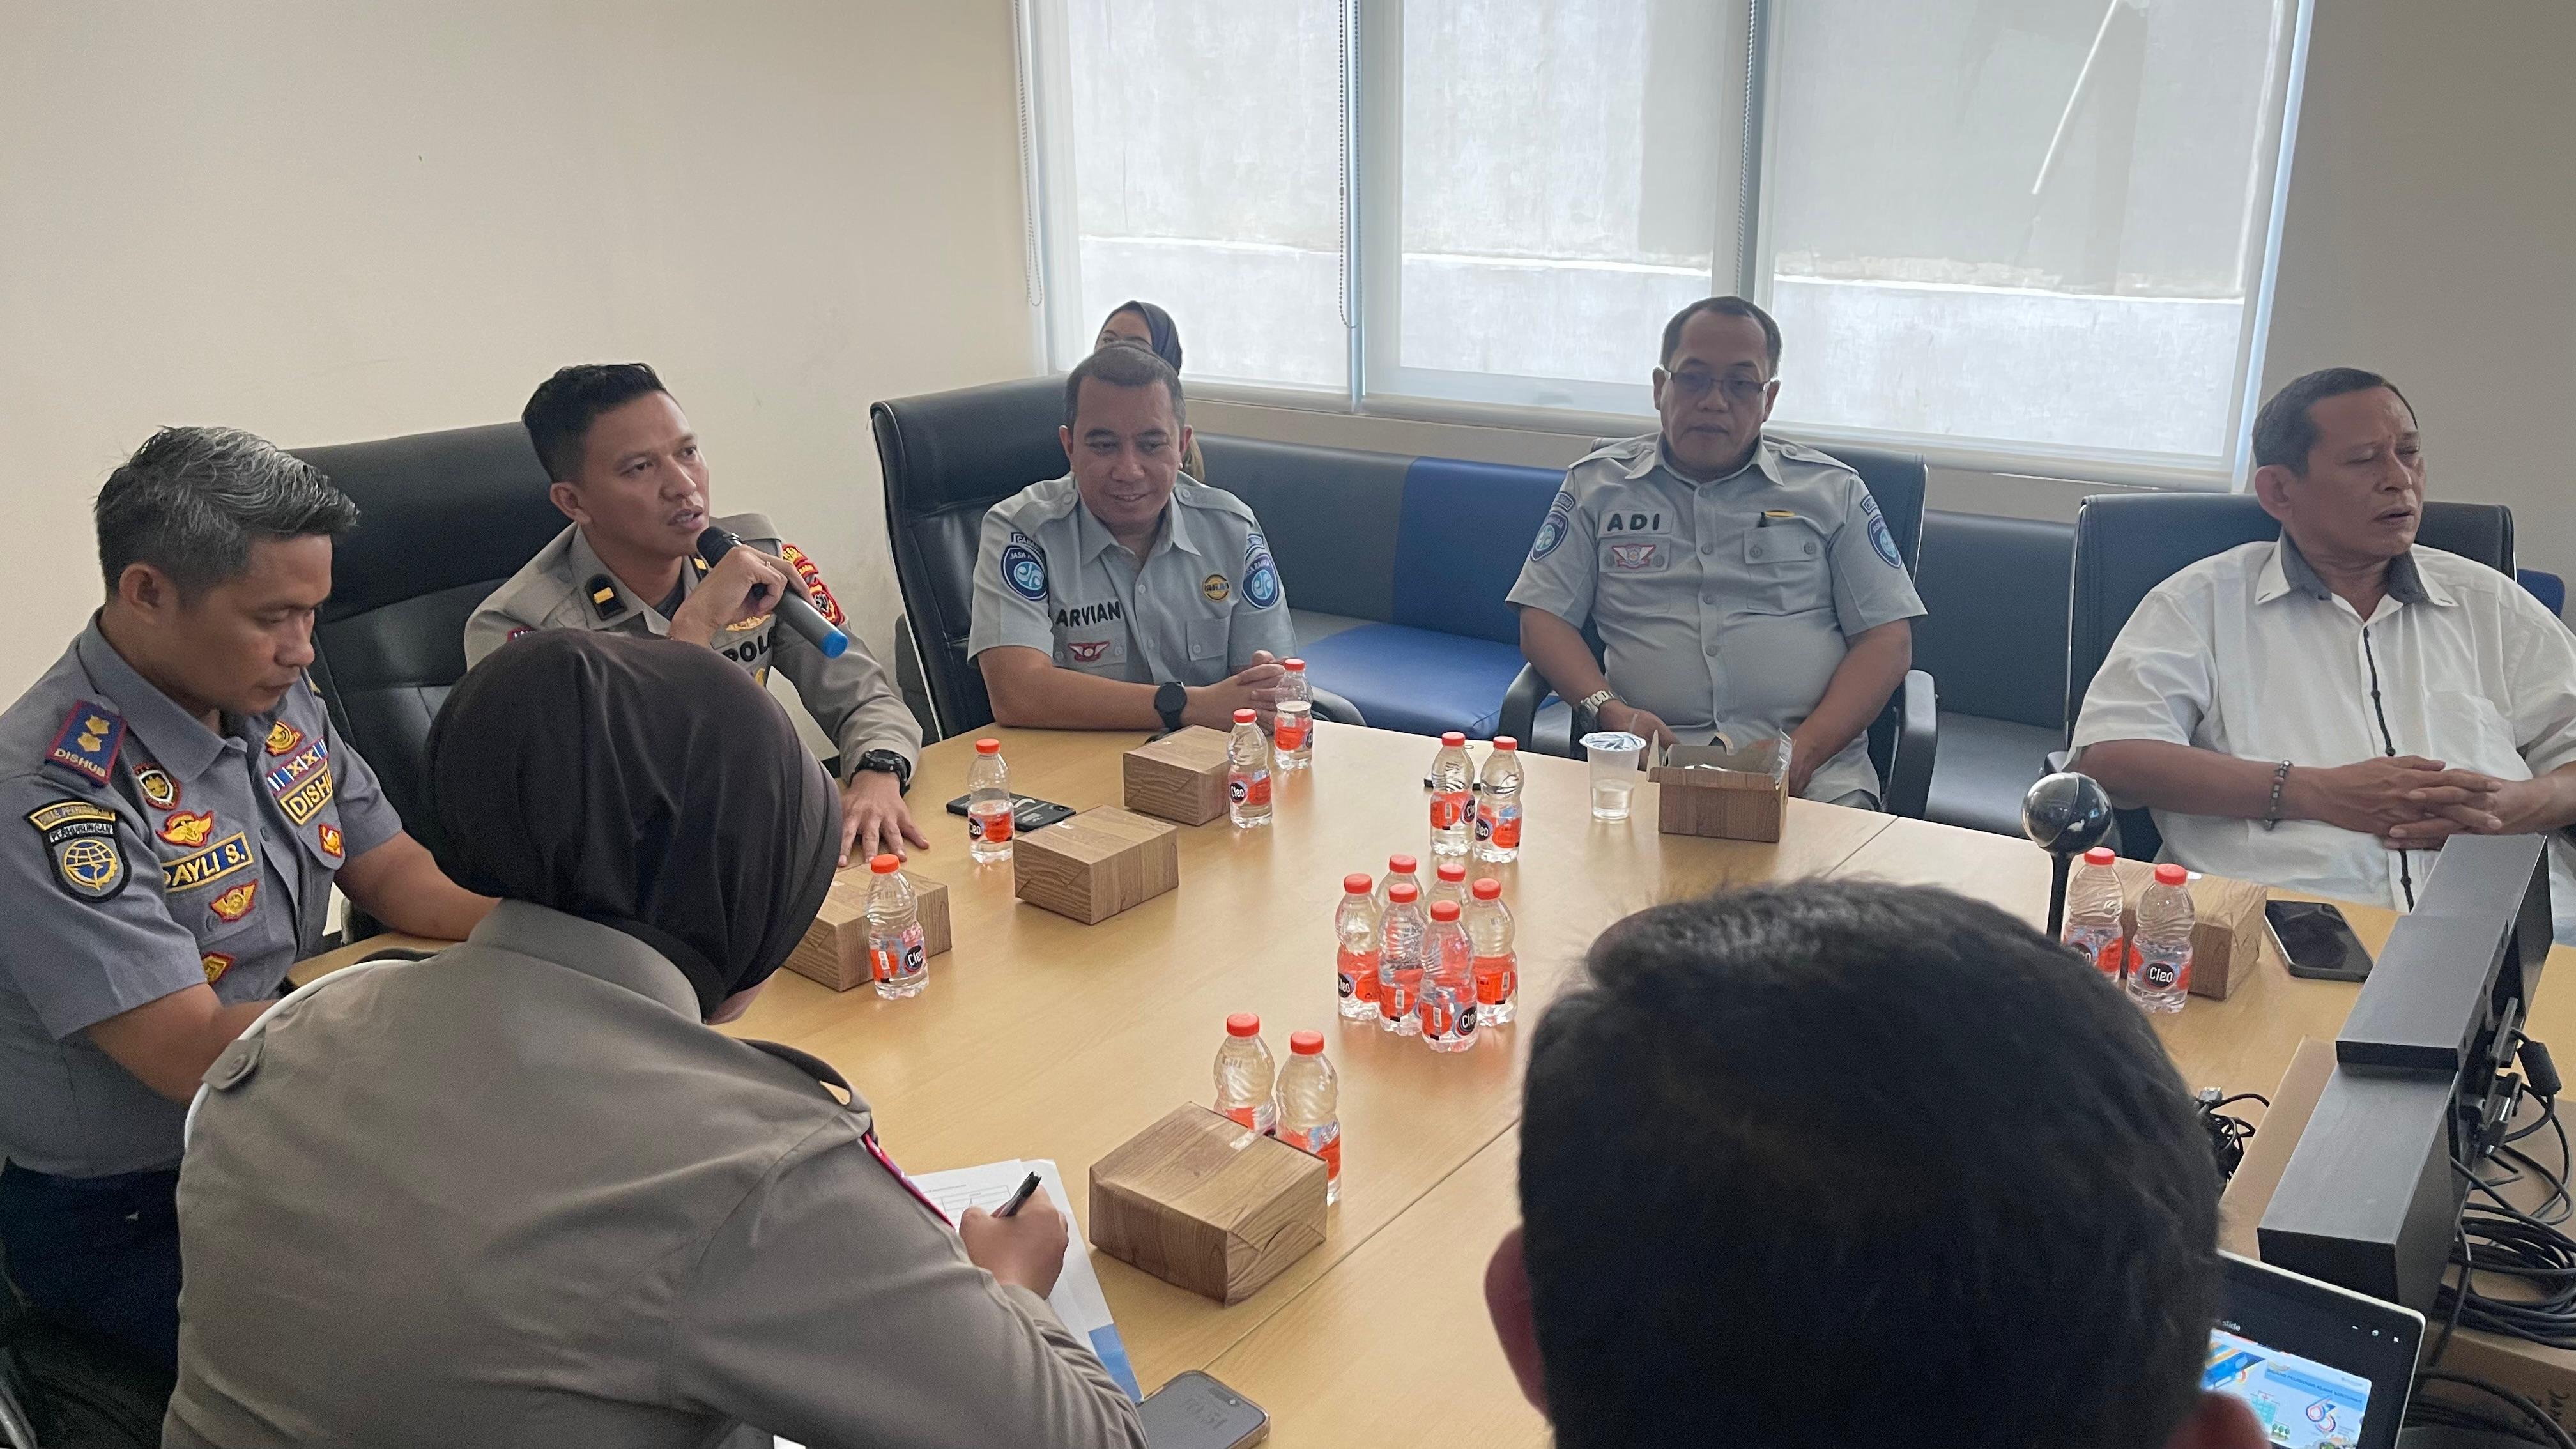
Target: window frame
1376,384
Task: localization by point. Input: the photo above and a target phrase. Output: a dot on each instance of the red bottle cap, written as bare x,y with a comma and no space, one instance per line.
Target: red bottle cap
1307,1043
1452,870
1402,864
988,747
1488,889
1243,1023
885,864
1358,885
1444,910
1298,666
1244,716
2099,855
1452,740
1506,742
1402,893
2171,874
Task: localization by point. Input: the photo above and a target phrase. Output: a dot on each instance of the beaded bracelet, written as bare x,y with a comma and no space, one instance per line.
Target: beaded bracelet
2280,777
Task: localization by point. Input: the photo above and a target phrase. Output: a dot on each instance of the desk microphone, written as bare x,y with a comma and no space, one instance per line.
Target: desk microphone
794,610
2065,815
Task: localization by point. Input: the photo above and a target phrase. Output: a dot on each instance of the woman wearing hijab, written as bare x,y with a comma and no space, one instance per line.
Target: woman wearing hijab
1142,324
519,1194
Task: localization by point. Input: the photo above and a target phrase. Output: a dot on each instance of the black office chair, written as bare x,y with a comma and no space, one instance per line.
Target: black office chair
1906,735
2127,543
59,1390
443,520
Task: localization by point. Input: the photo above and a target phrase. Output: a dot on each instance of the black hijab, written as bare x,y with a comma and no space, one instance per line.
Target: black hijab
1164,339
642,783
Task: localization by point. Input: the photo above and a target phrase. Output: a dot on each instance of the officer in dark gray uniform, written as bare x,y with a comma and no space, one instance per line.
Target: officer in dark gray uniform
187,807
632,477
1735,579
1125,594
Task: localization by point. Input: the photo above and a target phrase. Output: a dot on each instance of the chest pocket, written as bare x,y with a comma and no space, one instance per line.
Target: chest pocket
217,889
1787,568
1208,636
1629,558
1096,649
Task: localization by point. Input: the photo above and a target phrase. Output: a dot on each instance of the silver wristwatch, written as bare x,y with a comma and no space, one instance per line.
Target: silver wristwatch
1595,700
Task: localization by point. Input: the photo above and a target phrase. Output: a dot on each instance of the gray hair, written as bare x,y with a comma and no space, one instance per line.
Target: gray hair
191,501
1123,365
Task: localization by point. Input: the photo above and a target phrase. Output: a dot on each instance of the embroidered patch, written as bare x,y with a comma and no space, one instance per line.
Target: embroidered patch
306,800
87,745
603,598
283,737
1086,651
188,827
216,964
823,600
1024,570
1883,541
1558,523
159,790
329,839
234,904
1215,587
296,769
516,633
1633,557
89,860
1260,575
189,872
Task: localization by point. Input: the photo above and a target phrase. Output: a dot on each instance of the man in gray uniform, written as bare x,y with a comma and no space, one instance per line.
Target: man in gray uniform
1125,594
631,476
1735,579
189,807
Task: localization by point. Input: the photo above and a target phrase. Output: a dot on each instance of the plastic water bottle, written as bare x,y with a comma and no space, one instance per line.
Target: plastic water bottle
988,804
1245,1074
1310,1108
1355,964
1448,1006
1400,869
1453,779
1247,772
1294,734
1449,883
1498,967
897,955
1498,803
1402,940
2160,953
2093,903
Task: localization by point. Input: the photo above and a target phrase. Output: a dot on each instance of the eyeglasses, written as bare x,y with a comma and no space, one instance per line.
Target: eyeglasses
1696,385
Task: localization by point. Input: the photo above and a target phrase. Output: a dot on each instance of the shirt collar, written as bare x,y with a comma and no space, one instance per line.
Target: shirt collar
2289,571
594,950
1173,532
179,742
1766,458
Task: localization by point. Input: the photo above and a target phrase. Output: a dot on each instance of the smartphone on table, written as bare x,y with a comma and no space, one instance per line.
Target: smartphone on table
1028,812
1194,1411
2316,941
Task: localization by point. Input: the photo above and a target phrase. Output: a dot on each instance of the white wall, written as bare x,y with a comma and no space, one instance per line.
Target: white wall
325,221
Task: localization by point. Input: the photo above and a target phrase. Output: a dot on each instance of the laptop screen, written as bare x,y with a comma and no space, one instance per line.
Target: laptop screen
2320,1366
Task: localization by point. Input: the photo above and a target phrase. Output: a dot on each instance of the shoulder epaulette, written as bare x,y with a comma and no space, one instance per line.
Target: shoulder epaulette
603,597
89,740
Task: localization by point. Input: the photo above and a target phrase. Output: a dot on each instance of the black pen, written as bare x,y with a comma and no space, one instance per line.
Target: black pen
1018,1198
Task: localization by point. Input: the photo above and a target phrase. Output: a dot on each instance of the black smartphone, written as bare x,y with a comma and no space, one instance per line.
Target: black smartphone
1194,1411
1028,812
2316,941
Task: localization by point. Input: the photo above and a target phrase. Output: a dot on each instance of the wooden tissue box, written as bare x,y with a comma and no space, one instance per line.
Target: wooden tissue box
2227,927
1725,794
1180,777
835,948
1207,1204
1096,864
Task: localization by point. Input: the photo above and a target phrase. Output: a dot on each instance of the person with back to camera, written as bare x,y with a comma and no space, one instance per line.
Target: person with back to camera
523,1194
1826,1164
1142,324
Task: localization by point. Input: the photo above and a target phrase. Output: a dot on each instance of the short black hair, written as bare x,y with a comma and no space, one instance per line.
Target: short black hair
1814,1160
1123,367
1730,306
559,413
2285,431
191,502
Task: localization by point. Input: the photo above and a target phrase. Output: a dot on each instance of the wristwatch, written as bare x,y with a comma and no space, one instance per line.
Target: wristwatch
1595,700
1170,698
890,763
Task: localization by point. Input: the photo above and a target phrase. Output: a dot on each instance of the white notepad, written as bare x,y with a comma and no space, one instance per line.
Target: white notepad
1077,1298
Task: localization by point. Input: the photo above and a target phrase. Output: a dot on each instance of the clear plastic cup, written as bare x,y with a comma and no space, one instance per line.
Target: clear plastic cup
1614,755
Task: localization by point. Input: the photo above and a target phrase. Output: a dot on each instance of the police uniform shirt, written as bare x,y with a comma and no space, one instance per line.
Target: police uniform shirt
1727,602
567,587
152,854
1050,577
557,1210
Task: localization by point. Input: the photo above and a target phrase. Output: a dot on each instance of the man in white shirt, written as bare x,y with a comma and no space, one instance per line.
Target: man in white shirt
2321,712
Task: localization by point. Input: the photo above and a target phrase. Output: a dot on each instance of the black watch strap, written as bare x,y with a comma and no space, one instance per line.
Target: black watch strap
888,762
1170,698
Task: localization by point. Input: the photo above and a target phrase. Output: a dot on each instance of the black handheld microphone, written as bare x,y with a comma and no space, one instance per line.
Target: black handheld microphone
2065,815
793,610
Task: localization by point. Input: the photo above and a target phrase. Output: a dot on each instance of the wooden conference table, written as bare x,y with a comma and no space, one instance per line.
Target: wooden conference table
1040,1037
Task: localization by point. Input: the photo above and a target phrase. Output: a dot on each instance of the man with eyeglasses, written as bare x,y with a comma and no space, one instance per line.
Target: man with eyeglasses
1736,580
